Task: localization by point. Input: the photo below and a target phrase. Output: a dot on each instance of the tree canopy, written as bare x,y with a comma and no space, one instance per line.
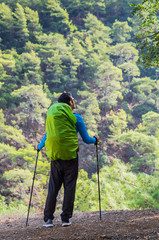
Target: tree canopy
148,33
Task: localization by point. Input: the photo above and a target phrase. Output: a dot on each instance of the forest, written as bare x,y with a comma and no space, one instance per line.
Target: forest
106,54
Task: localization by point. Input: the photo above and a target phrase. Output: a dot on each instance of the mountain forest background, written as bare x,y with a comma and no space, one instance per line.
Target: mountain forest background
91,49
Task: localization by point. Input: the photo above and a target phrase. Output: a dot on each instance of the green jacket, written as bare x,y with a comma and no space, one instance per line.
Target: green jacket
62,140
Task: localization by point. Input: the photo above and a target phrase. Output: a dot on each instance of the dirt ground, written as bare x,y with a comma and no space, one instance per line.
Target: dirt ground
124,225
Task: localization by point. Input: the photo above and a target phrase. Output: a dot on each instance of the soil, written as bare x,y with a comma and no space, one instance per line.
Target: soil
117,225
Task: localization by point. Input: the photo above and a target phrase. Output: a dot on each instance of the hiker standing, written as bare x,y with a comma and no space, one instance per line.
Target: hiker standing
61,144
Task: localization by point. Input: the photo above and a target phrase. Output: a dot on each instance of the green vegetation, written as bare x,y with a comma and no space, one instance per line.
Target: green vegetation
89,48
147,14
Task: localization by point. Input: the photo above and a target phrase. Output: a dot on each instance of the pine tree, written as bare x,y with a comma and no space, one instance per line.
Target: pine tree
20,26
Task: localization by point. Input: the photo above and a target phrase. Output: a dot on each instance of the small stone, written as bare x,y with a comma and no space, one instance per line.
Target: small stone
106,236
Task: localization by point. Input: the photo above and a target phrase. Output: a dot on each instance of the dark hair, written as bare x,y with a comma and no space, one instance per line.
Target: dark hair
65,98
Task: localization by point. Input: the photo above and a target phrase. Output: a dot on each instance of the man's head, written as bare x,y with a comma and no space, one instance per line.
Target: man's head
67,98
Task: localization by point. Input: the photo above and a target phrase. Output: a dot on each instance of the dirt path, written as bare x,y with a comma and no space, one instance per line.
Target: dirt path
124,225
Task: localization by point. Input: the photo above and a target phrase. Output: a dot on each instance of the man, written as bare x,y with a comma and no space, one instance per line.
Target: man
61,144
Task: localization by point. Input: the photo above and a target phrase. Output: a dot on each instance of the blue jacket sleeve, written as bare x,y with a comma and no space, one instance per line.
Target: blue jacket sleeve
42,143
81,128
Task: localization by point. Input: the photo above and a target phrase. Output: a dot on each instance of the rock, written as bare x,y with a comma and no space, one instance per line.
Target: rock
108,236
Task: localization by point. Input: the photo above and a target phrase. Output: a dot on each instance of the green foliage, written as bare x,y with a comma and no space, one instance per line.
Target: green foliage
33,104
125,107
33,25
118,9
31,69
10,69
117,184
108,79
89,109
142,109
6,25
20,23
148,33
56,18
23,157
119,123
121,32
130,69
97,30
84,192
145,90
22,178
81,8
2,119
57,62
120,189
103,159
150,123
146,194
21,181
6,151
143,150
12,135
124,52
13,207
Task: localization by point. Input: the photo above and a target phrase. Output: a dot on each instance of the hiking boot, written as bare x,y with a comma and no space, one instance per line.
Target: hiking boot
48,223
66,223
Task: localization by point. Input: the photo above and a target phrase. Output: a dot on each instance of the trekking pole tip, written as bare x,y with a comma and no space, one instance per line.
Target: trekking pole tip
27,224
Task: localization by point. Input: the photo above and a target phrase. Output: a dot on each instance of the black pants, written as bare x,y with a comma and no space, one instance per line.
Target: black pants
62,172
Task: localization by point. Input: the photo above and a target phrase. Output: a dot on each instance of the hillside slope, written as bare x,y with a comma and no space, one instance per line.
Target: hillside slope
121,225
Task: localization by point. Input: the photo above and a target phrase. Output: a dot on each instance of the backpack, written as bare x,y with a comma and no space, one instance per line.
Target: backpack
62,140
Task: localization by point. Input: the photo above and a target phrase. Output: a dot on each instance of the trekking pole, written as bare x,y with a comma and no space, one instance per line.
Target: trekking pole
100,215
32,188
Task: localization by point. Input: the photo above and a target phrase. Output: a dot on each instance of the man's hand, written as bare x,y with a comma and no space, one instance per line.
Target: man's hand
36,147
97,138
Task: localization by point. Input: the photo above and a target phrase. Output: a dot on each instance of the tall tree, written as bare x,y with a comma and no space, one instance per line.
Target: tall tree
55,18
20,26
141,150
124,52
6,26
148,34
149,125
31,70
108,78
33,24
146,91
97,30
121,32
118,123
118,9
10,69
32,107
79,9
89,109
55,59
